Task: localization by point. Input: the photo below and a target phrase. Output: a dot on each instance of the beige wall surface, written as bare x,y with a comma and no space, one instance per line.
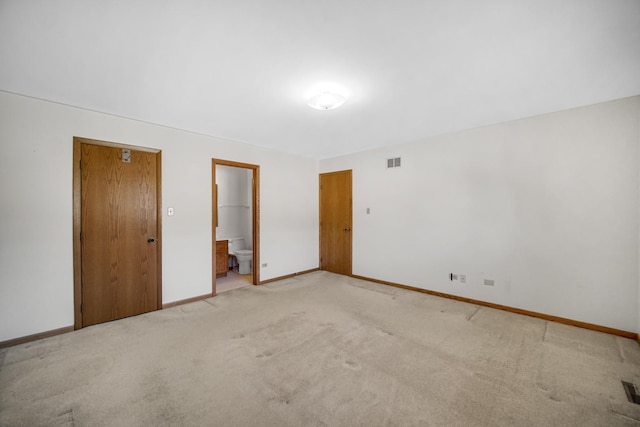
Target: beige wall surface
36,255
546,207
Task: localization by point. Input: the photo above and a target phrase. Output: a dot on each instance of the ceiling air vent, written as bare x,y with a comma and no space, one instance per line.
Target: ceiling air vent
393,163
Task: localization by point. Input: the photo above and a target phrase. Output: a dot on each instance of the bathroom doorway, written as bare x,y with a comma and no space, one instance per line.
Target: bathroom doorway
236,213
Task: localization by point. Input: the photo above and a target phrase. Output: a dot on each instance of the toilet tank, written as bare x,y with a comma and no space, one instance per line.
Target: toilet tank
235,244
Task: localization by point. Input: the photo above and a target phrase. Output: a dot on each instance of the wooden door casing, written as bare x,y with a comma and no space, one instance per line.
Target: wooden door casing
336,222
119,226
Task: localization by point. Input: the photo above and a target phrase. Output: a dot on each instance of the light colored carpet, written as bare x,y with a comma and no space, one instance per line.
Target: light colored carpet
322,349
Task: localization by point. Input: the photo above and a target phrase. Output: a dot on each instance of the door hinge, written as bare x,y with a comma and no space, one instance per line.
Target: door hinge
81,308
80,164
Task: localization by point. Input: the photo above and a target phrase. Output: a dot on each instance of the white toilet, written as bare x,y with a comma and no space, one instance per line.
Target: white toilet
244,256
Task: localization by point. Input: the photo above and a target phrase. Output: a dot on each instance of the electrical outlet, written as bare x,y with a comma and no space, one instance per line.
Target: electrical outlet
489,282
263,265
454,277
463,278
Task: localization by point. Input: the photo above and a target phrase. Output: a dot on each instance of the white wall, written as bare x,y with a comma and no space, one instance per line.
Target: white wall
546,206
36,257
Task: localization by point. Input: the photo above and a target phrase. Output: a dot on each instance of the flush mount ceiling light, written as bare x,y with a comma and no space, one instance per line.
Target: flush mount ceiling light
326,101
326,96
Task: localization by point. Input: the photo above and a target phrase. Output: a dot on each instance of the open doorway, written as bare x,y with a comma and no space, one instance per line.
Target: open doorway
236,233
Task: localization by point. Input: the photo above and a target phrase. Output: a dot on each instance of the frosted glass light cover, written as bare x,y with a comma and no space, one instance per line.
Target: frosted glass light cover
326,101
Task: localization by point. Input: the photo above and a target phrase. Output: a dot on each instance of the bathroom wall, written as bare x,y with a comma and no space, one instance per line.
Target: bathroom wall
235,204
36,252
546,207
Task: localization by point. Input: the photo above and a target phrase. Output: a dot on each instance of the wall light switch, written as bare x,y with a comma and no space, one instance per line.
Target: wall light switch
368,211
170,211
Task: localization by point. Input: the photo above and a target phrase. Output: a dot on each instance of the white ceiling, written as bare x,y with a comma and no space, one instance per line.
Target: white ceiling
240,69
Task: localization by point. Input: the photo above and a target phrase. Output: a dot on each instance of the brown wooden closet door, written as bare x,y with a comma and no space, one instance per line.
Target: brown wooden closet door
335,222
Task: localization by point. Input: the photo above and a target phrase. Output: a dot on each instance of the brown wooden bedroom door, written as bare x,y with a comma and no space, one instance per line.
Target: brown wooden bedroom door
119,233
